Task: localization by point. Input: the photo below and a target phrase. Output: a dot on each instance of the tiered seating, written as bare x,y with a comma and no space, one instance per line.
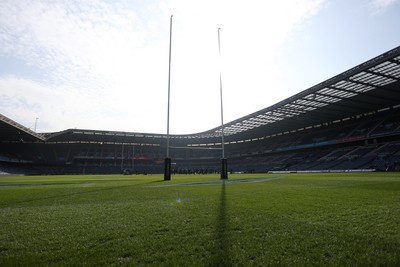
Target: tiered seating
365,141
390,125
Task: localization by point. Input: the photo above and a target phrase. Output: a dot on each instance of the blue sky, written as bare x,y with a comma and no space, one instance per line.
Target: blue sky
104,64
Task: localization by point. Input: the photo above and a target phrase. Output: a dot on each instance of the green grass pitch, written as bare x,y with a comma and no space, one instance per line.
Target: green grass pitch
350,219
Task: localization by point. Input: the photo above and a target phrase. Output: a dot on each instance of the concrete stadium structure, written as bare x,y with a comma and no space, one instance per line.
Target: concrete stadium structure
349,122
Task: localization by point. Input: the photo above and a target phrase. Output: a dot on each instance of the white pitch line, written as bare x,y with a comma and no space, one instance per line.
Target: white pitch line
215,182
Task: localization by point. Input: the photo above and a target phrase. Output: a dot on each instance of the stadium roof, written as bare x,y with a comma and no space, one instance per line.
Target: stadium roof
15,132
368,87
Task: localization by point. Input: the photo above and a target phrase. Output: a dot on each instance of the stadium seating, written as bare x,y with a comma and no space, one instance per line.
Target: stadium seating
332,147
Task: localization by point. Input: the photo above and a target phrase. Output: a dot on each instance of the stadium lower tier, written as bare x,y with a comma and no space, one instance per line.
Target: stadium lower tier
364,142
42,159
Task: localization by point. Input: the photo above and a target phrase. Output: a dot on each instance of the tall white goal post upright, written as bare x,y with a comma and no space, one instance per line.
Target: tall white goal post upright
167,162
224,161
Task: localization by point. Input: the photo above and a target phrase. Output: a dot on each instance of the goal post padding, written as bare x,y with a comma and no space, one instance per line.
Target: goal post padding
167,169
224,169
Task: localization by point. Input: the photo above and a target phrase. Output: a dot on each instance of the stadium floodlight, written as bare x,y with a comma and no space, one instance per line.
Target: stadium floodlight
167,162
224,161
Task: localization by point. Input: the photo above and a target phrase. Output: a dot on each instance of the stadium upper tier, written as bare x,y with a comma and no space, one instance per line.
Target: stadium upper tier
367,88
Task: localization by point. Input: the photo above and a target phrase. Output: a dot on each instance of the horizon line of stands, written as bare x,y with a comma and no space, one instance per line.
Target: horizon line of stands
369,142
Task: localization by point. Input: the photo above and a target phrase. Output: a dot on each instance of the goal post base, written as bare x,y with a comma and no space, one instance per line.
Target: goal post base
167,169
224,169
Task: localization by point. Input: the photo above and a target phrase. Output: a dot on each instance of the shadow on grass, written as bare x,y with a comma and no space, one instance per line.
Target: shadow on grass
62,196
158,181
221,249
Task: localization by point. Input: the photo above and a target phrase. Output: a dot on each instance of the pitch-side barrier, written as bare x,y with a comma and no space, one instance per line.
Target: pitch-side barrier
324,171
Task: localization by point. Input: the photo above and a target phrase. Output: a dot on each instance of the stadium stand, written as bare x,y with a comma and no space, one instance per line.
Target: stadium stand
349,122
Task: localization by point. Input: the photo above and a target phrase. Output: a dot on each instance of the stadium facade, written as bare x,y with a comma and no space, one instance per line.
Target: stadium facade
350,122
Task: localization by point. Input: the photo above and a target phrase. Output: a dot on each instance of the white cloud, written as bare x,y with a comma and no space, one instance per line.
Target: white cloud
77,43
381,5
105,65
